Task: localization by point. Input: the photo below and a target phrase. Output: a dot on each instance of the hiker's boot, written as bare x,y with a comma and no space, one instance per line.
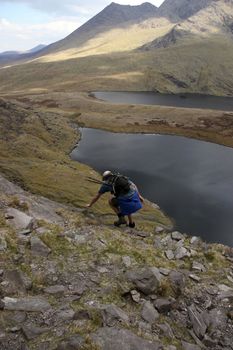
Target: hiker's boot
121,221
132,224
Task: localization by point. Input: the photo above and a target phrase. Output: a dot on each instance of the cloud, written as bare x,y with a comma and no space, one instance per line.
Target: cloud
79,6
24,37
58,7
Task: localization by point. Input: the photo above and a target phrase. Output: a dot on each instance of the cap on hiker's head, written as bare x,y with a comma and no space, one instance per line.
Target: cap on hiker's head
106,174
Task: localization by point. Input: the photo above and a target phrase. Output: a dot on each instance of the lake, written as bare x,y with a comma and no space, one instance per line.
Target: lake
180,100
191,180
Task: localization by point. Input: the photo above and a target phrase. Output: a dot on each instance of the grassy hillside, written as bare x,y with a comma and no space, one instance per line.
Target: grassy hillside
204,66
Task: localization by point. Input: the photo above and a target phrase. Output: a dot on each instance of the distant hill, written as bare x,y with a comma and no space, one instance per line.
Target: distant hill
9,56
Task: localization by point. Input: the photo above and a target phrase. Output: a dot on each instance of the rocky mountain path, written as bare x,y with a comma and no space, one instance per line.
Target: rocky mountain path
66,283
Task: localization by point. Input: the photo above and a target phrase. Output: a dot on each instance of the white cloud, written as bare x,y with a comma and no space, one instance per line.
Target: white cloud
27,36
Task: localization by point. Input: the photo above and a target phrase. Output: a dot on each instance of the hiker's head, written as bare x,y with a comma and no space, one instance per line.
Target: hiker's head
106,174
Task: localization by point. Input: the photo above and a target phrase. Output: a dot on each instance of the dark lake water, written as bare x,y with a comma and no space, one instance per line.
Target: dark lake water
182,100
192,181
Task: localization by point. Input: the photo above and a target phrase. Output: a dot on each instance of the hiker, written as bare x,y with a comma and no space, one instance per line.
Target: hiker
126,200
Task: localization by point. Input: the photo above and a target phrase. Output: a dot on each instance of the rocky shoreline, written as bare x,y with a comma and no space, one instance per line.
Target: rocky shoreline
66,283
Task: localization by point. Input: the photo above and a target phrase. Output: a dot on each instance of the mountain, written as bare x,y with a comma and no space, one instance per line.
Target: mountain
9,56
113,16
182,9
182,46
36,48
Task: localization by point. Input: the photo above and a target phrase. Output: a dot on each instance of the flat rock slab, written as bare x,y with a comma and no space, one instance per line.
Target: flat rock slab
35,304
115,339
112,314
56,289
31,331
20,220
39,248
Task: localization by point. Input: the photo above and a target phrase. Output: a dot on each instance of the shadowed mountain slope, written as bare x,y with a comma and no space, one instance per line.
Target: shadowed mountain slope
182,9
113,16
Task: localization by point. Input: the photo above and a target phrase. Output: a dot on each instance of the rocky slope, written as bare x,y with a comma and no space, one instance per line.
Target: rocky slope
68,284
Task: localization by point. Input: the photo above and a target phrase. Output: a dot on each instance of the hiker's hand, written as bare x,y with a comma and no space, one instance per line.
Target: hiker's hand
88,205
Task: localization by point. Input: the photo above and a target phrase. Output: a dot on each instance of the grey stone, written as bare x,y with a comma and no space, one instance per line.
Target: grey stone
56,289
39,248
226,295
65,315
194,277
209,342
126,261
135,296
82,315
1,272
112,314
36,304
195,241
157,273
157,243
181,253
197,321
159,229
144,280
198,266
218,319
16,317
149,313
164,271
114,339
170,347
177,235
178,281
20,220
31,331
164,305
166,329
188,346
169,254
17,281
74,342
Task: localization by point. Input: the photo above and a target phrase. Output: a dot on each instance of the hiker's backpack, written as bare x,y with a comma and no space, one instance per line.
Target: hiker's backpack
120,184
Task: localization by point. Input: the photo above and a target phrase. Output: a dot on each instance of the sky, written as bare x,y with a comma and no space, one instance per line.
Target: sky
25,24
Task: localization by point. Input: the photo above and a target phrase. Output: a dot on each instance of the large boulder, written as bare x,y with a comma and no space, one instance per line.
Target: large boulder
144,280
115,339
19,219
112,314
149,313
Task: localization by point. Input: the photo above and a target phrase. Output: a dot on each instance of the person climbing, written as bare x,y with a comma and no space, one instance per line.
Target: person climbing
126,199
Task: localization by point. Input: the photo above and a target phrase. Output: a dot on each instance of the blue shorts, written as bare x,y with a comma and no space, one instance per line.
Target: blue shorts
129,204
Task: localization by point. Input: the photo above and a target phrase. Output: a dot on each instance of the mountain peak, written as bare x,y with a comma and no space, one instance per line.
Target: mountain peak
182,9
